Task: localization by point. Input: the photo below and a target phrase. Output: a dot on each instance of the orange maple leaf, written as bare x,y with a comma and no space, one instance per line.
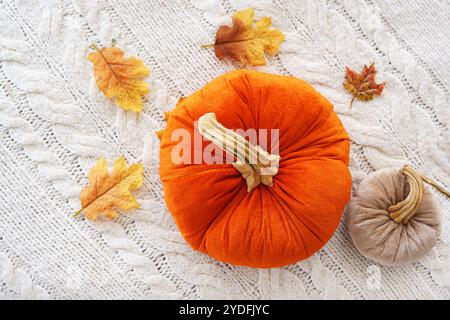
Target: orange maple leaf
245,42
362,85
107,192
119,78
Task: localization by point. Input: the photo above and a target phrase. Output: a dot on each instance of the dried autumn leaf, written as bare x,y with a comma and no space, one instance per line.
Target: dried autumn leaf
107,192
245,42
362,85
120,79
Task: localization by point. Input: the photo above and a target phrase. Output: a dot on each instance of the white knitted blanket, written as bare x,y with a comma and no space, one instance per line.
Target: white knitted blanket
54,124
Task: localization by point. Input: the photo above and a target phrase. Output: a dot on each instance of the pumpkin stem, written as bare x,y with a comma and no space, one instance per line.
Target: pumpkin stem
434,184
403,211
255,164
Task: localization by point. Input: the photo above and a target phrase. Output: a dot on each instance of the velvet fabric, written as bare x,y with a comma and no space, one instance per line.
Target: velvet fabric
270,226
376,235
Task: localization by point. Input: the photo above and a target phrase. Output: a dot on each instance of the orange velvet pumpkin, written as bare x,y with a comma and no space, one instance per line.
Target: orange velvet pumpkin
270,226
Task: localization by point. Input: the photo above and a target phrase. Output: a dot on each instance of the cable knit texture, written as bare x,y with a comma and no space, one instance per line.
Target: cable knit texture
54,124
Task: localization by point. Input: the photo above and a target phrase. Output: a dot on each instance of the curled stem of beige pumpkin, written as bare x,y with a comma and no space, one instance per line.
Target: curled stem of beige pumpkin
255,164
434,184
403,211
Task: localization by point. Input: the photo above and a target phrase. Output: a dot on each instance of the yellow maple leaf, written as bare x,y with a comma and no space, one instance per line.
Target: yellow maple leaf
120,79
246,42
107,192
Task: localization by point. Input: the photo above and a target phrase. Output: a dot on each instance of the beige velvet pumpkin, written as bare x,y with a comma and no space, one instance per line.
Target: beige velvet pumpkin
373,231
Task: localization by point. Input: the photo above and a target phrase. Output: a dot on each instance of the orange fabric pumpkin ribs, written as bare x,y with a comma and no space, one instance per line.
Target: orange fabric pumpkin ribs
283,219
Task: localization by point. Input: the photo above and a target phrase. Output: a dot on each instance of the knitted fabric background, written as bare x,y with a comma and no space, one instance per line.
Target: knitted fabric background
54,124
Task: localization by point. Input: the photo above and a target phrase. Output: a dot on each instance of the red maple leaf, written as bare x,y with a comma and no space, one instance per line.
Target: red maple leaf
362,85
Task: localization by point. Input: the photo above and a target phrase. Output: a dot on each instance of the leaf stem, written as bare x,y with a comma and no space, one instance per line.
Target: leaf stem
78,212
93,46
351,102
228,42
